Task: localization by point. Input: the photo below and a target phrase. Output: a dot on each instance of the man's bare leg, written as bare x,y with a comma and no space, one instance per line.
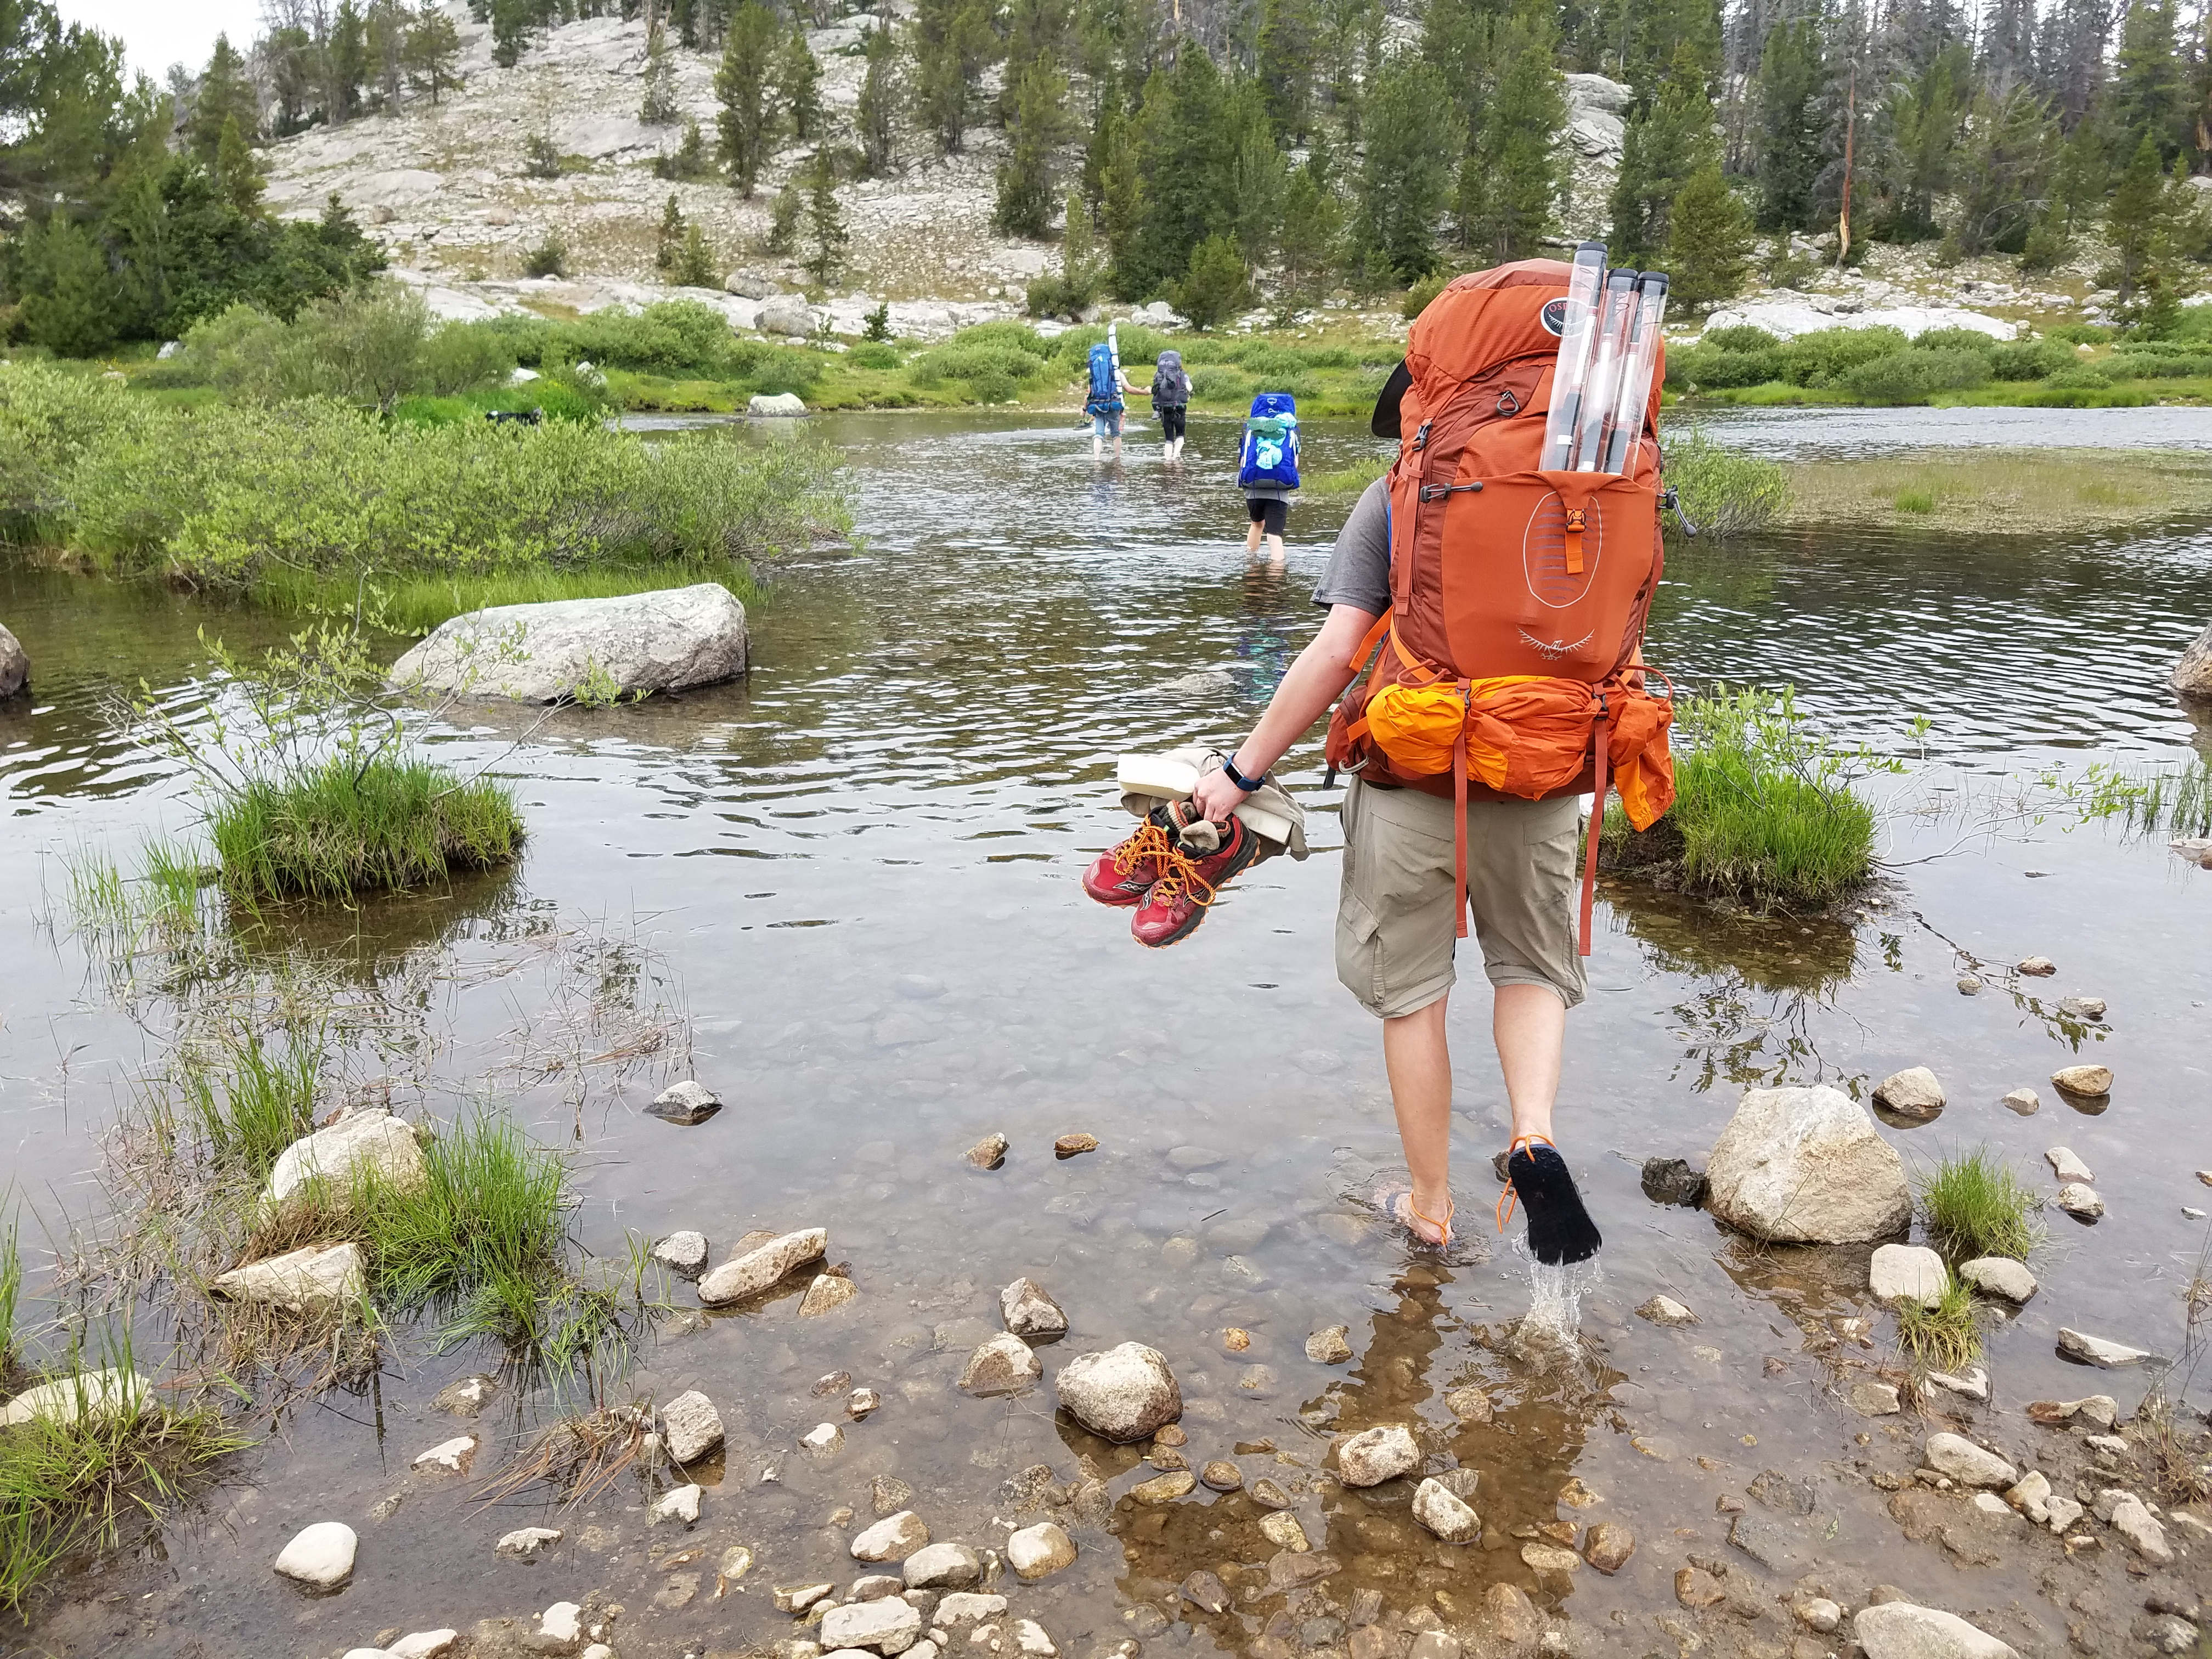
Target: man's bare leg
1530,1024
1419,1061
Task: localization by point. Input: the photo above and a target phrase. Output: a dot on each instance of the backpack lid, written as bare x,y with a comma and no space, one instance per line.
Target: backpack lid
1274,404
1170,362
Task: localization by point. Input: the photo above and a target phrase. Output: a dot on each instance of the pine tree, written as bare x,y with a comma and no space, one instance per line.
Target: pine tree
1785,136
875,118
825,221
747,124
1921,136
1184,151
1257,173
348,59
1660,154
671,235
798,87
1122,206
225,96
295,76
1306,240
511,21
387,47
1034,29
69,294
1709,241
1028,177
1509,184
1215,285
2149,92
657,107
2003,173
237,174
432,50
2009,48
953,41
783,217
1289,44
2136,221
1409,120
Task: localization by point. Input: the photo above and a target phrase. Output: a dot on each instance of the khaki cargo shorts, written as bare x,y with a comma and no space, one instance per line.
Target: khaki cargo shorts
1395,927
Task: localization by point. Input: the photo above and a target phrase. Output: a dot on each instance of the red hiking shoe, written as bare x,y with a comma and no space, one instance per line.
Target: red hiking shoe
1125,873
1178,900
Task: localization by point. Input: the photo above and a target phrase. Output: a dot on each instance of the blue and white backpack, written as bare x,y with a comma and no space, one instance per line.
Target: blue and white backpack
1105,383
1271,443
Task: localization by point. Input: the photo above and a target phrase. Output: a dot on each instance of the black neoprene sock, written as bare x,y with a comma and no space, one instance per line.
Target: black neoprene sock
1560,1230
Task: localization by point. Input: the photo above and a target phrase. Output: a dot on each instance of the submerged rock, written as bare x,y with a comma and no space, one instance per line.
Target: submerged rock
1005,1365
683,1104
683,1253
1899,1629
989,1152
1907,1273
891,1539
1282,1528
89,1394
1122,1395
828,1293
320,1555
1806,1166
466,1397
666,641
1445,1514
1914,1093
2067,1165
1377,1454
691,1425
1030,1310
453,1455
313,1276
1999,1275
1470,1405
2083,1203
2086,1081
1672,1181
2192,674
2097,1350
1165,1488
2022,1101
1608,1546
1332,1347
822,1440
2091,1008
1036,1552
1876,1399
1221,1475
1665,1311
762,1267
1074,1145
523,1542
370,1143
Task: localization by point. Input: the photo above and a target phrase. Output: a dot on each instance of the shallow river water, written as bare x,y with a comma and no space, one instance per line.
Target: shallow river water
843,895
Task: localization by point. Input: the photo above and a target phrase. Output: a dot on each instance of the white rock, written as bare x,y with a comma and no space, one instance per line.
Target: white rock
371,1143
1876,1399
2066,1166
1438,1508
693,1427
113,1393
1005,1365
453,1455
1806,1165
862,1402
1122,1395
642,642
822,1439
1665,1311
683,1253
314,1276
1907,1273
561,1623
1035,1551
2079,1200
1788,318
1899,1629
891,1539
2032,1496
2096,1351
1028,1311
966,1607
2143,1531
686,1104
759,1268
2060,1512
888,1626
526,1542
1999,1275
1974,1385
1280,1528
2086,1081
776,404
321,1554
1819,1614
1377,1454
1913,1092
2108,1500
424,1644
943,1566
786,314
680,1503
2022,1101
1966,1463
1029,1638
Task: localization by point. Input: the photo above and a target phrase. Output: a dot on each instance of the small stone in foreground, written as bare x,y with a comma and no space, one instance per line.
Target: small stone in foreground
1665,1311
1281,1529
453,1455
2038,967
466,1397
1164,1488
692,1426
2067,1165
2022,1101
1672,1181
1907,1273
1005,1365
1035,1551
681,1505
989,1152
1074,1145
828,1293
1608,1547
1028,1311
862,1402
2083,1203
1899,1629
1999,1275
1331,1346
1876,1399
2086,1081
1122,1395
526,1541
1913,1092
891,1539
1377,1454
320,1555
762,1265
1470,1405
1444,1514
683,1253
1221,1475
683,1104
1974,1385
1966,1463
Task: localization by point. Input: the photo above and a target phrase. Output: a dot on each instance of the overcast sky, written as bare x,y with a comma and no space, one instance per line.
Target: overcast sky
160,33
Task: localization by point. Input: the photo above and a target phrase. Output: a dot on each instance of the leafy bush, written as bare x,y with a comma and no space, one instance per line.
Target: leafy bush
1956,339
1139,345
1418,295
2081,377
1823,357
1743,336
1715,368
549,258
49,419
461,355
875,356
1216,383
1724,492
1908,377
991,373
668,338
1020,335
2029,360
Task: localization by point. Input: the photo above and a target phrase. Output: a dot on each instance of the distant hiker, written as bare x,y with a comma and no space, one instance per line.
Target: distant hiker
1509,605
1104,404
1268,469
1171,403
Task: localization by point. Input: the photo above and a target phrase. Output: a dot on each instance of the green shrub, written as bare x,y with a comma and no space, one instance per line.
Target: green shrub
875,356
1715,368
1743,336
1071,348
1823,357
991,373
1217,383
462,356
2153,365
50,420
1909,377
1914,501
2079,333
2081,377
1955,339
2029,360
1418,295
1724,491
1020,335
1946,1337
549,258
1975,1206
366,347
669,337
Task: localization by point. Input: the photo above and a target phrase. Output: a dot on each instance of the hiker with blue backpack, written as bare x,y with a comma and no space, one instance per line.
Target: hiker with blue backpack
1267,469
1103,403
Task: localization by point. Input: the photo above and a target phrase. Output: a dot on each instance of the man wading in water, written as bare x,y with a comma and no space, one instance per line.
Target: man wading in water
1465,549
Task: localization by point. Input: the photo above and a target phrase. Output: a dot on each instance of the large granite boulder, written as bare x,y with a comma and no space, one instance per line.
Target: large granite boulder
2192,675
1806,1166
787,314
15,665
372,1144
662,642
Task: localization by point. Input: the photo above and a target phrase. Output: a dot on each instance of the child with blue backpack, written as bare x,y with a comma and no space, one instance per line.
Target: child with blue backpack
1268,469
1104,404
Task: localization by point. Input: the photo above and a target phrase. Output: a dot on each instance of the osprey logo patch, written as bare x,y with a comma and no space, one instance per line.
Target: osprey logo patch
1555,317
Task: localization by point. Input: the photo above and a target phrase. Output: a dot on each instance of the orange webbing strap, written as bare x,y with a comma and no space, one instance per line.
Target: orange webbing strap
1458,829
1575,516
1596,825
1358,729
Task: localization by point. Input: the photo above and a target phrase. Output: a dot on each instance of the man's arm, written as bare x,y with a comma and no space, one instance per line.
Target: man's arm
1315,681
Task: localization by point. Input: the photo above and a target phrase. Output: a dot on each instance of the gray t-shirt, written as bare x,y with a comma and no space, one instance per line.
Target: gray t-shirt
1359,571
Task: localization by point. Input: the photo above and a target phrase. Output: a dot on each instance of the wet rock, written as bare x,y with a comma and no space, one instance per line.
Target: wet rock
989,1152
1074,1145
680,1504
828,1293
1028,1311
943,1566
1974,1385
822,1439
2030,1495
1377,1454
888,1495
888,1626
2022,1101
1876,1399
1221,1475
15,665
2066,1166
1769,1545
1122,1395
1806,1165
690,1426
1003,1366
1288,1569
1999,1275
2037,967
1165,1488
1966,1463
369,1145
1036,1552
1672,1181
424,1644
664,641
2088,1081
1608,1546
891,1539
1665,1311
776,406
2168,1633
1549,1558
1256,1379
451,1456
1899,1629
1330,1347
797,1598
560,1629
2142,1531
315,1277
684,1253
523,1542
2098,1351
874,1586
966,1607
1268,1495
2100,1409
1206,1592
832,1383
762,1265
1914,1093
1907,1273
1784,1494
1514,1625
1444,1514
2081,1202
88,1394
2060,1512
1434,1644
862,1403
320,1555
466,1397
1470,1404
1030,1640
1695,1588
2090,1008
1819,1615
683,1104
1281,1529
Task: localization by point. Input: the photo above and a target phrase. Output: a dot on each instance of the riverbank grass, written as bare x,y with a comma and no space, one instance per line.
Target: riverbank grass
337,830
1973,1204
1723,492
1947,1337
2005,492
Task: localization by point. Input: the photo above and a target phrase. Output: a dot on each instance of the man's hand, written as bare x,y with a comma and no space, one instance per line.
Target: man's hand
1217,797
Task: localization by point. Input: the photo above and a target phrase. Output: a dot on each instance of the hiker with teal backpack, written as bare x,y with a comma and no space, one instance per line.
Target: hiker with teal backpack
1103,403
1267,469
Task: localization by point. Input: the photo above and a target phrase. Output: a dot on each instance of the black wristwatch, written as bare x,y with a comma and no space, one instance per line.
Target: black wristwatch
1248,785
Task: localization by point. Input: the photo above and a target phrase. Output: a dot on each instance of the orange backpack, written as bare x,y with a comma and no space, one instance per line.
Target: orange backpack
1512,664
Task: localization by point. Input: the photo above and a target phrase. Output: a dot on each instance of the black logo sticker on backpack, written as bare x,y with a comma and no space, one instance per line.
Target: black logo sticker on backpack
1555,317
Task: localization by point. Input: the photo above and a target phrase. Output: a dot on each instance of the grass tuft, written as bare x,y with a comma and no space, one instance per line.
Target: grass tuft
251,1108
329,832
11,1293
1973,1205
1946,1337
1914,501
